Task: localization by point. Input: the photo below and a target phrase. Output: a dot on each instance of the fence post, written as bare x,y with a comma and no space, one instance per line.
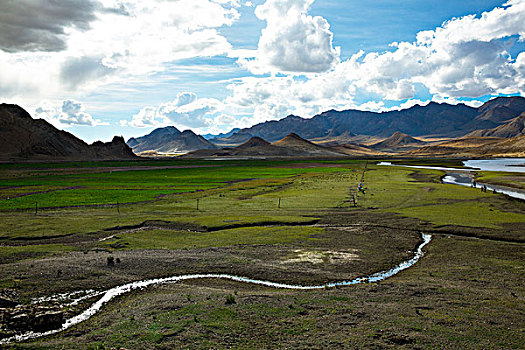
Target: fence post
36,208
118,207
279,203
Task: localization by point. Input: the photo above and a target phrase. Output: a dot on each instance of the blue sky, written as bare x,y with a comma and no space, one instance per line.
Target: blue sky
125,67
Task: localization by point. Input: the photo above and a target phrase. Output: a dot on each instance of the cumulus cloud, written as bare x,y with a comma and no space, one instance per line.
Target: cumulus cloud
70,113
186,111
465,57
293,41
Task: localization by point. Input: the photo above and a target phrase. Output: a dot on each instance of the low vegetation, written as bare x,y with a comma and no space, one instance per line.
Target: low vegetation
286,221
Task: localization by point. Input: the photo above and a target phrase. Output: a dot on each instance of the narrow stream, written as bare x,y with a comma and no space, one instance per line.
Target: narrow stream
119,290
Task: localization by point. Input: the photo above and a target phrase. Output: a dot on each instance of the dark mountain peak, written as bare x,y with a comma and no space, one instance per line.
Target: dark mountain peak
292,117
118,139
254,142
432,105
26,138
132,142
12,112
170,140
499,110
221,135
515,127
514,102
168,130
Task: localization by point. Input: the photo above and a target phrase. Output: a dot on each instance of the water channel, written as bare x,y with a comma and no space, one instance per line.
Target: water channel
119,290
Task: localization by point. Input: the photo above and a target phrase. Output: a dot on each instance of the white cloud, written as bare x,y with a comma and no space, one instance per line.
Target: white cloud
465,57
70,113
186,111
128,41
117,39
293,41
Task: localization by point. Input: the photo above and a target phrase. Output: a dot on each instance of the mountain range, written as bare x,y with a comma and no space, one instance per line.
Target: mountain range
357,132
413,131
433,120
25,138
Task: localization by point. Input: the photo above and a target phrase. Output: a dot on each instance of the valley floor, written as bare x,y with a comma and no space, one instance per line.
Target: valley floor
289,222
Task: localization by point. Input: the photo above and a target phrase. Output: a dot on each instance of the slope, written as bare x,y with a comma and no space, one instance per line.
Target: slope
25,138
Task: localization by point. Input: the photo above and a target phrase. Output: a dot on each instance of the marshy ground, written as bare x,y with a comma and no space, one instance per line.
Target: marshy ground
291,222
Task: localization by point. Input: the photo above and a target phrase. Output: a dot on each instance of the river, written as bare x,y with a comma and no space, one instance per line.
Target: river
464,176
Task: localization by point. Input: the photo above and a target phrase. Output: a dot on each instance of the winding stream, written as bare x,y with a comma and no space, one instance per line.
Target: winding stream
125,288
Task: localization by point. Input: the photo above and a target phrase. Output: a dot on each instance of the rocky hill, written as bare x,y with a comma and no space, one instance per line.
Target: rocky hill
515,127
169,140
398,140
434,119
474,147
295,142
25,138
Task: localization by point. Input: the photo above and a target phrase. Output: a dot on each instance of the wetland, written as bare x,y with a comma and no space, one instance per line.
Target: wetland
72,231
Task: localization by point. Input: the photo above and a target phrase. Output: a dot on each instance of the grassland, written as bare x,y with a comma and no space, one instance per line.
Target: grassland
261,219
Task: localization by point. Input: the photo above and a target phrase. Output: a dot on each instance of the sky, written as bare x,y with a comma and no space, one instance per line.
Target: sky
99,68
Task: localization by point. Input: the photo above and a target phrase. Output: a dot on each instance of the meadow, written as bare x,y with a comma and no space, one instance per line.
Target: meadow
300,221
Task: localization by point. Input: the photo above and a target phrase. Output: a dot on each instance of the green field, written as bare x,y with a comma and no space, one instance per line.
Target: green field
289,221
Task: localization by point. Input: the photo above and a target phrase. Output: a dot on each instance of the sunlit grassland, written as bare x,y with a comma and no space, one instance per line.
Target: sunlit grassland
464,293
437,203
130,186
34,250
253,201
221,197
